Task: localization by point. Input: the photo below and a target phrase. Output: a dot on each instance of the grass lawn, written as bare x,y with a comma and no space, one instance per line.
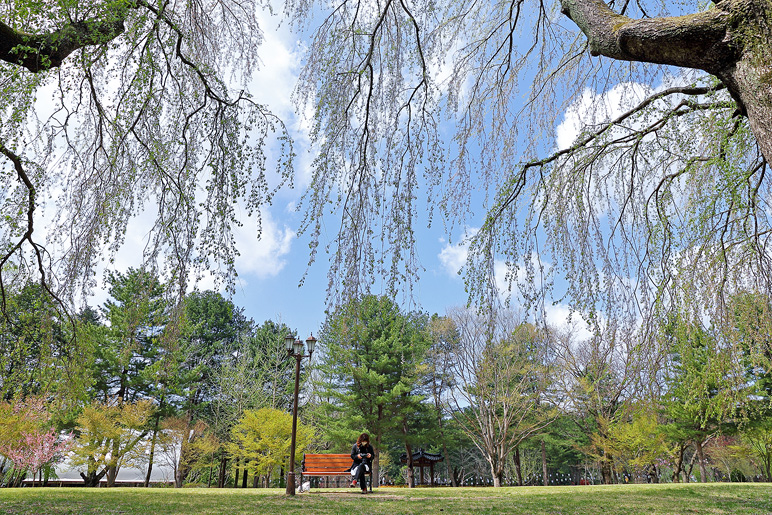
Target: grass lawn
713,498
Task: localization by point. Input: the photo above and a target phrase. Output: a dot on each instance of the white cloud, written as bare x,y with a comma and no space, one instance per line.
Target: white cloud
593,108
453,257
264,256
278,70
259,258
281,57
561,316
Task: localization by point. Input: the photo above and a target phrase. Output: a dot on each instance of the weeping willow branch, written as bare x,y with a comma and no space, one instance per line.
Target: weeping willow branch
16,248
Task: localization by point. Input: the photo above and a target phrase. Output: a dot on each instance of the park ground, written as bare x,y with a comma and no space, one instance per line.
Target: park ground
713,498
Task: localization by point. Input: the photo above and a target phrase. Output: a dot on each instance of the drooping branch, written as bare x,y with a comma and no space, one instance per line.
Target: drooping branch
38,52
685,106
701,41
728,40
27,236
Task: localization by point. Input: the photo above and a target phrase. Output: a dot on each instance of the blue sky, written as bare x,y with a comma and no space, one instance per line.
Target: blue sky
271,268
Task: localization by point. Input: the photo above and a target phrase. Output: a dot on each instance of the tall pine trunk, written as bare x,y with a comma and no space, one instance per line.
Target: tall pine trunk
410,471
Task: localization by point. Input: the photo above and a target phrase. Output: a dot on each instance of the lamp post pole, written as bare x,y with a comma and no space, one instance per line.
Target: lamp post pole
295,349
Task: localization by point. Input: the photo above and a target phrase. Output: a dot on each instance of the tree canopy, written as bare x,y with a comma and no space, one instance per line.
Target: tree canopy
113,108
660,194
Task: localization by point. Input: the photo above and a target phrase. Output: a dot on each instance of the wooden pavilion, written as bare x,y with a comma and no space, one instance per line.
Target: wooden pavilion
423,459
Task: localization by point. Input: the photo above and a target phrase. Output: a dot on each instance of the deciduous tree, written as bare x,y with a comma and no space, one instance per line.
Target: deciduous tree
262,438
37,354
27,439
659,193
601,376
501,373
106,435
703,387
145,103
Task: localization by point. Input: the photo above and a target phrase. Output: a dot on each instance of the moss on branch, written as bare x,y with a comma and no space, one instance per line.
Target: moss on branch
38,52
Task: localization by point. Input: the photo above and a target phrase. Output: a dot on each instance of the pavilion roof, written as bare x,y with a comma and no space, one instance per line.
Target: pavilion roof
420,457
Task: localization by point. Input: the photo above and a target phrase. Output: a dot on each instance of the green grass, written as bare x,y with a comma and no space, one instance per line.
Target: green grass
715,498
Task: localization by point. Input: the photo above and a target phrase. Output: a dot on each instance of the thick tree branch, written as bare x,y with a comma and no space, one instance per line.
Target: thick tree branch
38,52
700,41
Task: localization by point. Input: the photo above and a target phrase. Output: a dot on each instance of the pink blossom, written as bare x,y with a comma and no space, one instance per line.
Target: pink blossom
36,449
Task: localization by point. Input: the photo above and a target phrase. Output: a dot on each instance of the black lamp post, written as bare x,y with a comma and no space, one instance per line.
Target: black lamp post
295,348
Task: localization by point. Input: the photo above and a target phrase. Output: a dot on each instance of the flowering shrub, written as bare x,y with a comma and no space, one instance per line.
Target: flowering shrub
27,439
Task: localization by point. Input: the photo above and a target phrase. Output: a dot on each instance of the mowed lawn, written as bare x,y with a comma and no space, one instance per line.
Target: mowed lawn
714,498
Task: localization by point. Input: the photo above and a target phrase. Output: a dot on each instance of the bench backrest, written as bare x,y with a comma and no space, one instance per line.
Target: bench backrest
326,463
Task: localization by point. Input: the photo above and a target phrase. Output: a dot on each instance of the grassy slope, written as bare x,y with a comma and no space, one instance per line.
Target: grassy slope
716,498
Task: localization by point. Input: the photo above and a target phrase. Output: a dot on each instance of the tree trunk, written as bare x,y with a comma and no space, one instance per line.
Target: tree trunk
441,426
497,475
183,464
544,463
448,467
16,480
458,476
688,473
496,467
653,476
605,470
410,471
223,464
236,467
701,458
518,468
152,451
679,465
112,475
245,475
731,40
375,478
92,478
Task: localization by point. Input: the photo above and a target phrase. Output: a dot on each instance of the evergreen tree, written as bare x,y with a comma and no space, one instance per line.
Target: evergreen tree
701,391
136,315
372,355
35,355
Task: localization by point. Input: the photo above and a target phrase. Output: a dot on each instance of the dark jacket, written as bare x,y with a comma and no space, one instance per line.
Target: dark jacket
365,449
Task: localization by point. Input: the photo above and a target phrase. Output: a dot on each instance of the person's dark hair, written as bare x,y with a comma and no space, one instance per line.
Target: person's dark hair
363,438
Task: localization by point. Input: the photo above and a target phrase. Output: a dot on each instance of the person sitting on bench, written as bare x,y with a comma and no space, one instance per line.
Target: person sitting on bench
362,453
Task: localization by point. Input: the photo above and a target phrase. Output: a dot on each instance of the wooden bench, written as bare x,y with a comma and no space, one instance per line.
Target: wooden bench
329,465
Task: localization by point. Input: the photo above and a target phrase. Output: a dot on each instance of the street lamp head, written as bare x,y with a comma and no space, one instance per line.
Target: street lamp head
298,347
311,344
289,341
